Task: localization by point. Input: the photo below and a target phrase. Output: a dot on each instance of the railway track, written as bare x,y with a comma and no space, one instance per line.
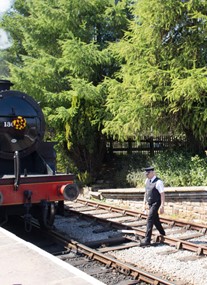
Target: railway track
134,274
180,234
183,248
94,262
103,241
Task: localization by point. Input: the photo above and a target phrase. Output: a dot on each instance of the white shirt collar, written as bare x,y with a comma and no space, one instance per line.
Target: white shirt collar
153,178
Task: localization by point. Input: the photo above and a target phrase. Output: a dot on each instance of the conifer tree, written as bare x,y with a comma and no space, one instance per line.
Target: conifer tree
162,83
59,56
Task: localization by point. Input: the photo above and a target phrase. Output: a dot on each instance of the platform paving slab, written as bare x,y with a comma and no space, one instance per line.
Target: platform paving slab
22,263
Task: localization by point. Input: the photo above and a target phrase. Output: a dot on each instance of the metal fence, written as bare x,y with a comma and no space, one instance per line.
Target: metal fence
147,145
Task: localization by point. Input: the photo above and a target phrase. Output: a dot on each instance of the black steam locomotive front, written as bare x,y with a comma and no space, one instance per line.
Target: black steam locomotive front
22,128
28,178
22,124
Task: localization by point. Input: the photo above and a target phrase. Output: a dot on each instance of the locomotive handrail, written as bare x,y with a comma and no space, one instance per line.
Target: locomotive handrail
16,170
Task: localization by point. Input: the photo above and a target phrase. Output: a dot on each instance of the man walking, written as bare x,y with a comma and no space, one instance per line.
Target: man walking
155,198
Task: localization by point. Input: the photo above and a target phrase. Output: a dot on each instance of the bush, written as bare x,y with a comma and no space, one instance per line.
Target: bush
181,169
129,169
173,167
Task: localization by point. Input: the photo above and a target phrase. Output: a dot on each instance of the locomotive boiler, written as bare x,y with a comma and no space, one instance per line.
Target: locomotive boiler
29,184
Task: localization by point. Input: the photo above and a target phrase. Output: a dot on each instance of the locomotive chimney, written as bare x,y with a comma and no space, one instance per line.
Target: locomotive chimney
5,85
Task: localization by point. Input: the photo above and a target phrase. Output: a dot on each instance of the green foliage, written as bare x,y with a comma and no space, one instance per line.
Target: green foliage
128,170
123,112
135,178
120,69
60,57
162,79
175,168
85,178
181,169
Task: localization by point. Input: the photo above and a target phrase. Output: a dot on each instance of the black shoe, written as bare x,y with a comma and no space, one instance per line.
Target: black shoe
145,243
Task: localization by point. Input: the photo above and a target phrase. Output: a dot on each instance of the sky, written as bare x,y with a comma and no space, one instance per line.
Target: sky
4,5
4,41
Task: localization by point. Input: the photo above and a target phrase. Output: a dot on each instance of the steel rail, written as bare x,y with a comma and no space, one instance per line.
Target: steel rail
172,222
122,267
178,243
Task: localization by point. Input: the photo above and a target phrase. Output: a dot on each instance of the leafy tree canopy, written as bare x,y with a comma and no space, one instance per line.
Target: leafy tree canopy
162,82
111,68
59,56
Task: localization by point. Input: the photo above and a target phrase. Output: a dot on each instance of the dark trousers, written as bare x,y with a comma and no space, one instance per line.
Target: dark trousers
153,219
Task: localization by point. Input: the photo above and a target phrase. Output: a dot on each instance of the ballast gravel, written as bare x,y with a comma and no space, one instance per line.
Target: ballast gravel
173,266
80,230
179,266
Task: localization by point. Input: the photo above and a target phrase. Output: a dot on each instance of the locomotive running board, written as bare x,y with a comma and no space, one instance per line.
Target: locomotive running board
9,179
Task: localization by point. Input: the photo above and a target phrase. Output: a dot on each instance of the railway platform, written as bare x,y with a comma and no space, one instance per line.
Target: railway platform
22,263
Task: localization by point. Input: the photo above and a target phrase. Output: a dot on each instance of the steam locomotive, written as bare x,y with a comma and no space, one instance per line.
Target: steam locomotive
29,184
